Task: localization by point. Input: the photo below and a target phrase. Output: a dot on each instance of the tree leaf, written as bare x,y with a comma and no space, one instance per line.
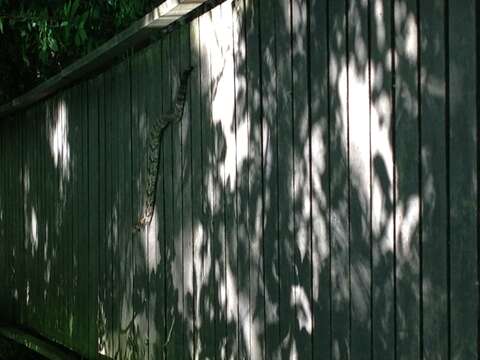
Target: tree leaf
74,9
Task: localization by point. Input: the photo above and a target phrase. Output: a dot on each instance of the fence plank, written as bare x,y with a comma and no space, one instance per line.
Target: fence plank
92,148
74,142
382,180
102,325
339,221
407,204
270,193
4,245
140,240
463,212
301,297
186,176
320,175
254,170
207,301
109,137
360,179
174,281
433,180
158,235
197,181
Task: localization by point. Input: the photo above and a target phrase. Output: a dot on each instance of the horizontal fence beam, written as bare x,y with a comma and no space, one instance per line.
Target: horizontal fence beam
161,17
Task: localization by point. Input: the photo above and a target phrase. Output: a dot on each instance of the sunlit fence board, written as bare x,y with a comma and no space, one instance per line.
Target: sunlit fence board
185,208
197,175
318,199
383,302
338,182
270,170
301,292
287,271
320,169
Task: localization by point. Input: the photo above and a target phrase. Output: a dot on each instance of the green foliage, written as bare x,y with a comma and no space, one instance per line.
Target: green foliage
40,37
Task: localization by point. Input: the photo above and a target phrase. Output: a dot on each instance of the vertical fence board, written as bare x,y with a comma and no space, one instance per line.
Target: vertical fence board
140,240
243,131
433,180
254,168
320,175
85,267
237,50
76,159
382,179
158,234
285,179
339,222
174,283
197,184
108,137
68,178
44,218
155,309
56,269
102,325
224,116
124,250
407,210
26,216
359,178
140,246
48,218
217,66
186,179
207,284
270,193
32,218
177,248
301,297
463,212
92,148
167,197
4,245
8,220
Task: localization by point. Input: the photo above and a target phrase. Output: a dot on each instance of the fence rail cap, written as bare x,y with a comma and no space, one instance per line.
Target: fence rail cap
161,17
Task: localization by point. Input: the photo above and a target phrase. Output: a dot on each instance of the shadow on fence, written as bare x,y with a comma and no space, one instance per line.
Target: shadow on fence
301,207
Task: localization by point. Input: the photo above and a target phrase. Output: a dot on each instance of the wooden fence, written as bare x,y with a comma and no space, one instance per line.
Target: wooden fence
318,200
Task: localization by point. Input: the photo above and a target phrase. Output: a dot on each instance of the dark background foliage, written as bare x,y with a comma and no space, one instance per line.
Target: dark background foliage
38,38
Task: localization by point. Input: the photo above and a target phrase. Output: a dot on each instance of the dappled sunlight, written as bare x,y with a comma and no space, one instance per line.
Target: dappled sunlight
299,300
150,236
34,231
358,102
408,217
382,167
59,145
407,22
300,205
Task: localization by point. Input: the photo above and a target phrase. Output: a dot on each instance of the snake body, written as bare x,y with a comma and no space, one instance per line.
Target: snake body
154,142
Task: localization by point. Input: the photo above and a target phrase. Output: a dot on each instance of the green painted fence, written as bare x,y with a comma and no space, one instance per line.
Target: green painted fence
318,200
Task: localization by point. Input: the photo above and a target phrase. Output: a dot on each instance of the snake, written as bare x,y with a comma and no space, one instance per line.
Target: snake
153,150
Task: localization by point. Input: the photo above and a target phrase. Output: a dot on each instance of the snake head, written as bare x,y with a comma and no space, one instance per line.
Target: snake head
187,71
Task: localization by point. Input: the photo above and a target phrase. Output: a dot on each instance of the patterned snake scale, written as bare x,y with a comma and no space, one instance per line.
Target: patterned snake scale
154,142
